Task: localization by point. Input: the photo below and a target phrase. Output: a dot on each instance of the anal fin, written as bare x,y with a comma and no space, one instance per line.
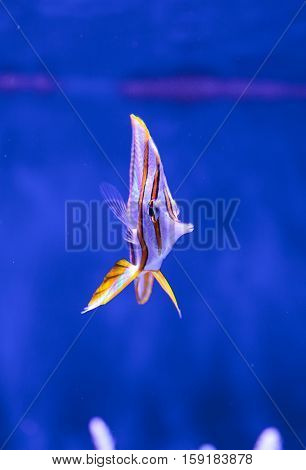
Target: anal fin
143,286
119,277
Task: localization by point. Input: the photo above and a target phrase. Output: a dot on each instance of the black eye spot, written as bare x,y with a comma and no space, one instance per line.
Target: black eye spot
153,211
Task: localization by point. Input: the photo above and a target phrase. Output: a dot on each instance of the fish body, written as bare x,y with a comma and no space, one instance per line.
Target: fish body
151,218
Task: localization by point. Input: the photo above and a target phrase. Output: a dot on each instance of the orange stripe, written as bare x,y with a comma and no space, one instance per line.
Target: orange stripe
154,195
144,248
158,235
169,205
132,253
155,183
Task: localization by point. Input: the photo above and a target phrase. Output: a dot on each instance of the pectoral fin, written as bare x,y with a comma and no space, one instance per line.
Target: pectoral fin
120,276
166,286
115,202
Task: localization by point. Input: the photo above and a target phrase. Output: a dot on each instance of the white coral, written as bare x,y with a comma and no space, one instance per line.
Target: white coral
100,433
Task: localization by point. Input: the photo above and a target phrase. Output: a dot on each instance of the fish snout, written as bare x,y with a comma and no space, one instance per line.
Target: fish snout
189,228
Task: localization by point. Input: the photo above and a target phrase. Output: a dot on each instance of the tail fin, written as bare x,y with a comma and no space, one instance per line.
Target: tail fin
120,276
143,287
166,286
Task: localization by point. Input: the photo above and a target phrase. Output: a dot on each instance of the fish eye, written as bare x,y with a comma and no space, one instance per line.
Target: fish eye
153,211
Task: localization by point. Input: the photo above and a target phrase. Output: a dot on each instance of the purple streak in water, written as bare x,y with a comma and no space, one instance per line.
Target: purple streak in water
24,82
205,88
176,88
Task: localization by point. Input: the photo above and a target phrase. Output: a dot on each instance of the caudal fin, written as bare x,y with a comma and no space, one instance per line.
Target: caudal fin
120,276
166,286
